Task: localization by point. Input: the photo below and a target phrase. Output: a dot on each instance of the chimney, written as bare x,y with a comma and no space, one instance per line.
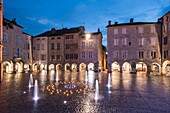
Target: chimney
14,21
98,30
53,30
109,22
131,20
116,23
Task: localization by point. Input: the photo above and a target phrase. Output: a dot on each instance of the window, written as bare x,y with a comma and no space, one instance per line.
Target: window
153,54
124,54
124,41
28,56
69,36
58,57
4,51
124,31
165,40
165,28
4,37
42,46
38,46
153,30
140,29
141,41
153,41
52,38
52,46
116,54
58,46
58,37
165,54
90,44
28,46
43,57
130,43
52,58
115,31
82,44
83,54
90,54
75,56
116,42
141,54
17,52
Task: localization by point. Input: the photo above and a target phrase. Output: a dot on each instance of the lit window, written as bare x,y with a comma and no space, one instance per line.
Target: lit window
116,42
141,41
124,31
124,41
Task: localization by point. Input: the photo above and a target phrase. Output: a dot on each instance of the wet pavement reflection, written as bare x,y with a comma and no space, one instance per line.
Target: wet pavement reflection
74,92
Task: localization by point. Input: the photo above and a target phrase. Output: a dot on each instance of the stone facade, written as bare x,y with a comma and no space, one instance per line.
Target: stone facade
165,42
16,47
136,44
1,35
70,49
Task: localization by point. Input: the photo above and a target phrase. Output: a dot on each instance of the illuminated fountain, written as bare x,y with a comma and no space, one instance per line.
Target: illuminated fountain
97,91
109,82
30,81
36,91
56,76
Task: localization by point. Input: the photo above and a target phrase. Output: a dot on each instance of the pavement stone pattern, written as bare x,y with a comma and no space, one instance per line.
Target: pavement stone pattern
130,93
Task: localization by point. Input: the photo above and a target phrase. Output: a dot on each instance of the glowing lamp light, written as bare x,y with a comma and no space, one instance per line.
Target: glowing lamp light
88,36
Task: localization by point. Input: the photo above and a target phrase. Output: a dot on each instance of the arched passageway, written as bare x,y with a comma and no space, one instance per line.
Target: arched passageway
82,67
166,67
6,67
58,67
126,67
51,67
155,68
67,67
141,67
74,67
115,66
91,67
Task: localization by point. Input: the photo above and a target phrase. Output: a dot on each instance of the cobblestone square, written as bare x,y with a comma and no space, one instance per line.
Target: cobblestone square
129,93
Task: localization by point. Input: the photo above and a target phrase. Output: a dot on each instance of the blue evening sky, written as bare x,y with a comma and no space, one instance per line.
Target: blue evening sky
37,16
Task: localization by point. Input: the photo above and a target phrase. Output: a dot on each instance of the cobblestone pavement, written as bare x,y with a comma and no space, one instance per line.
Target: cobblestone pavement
129,93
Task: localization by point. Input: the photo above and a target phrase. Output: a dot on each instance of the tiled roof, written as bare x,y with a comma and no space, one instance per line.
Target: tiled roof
59,32
133,23
11,22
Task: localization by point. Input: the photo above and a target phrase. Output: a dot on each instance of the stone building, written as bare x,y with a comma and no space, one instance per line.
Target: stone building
165,42
1,35
16,50
134,46
68,49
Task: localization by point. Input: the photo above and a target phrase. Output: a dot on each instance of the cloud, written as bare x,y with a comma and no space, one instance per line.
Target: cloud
44,21
31,18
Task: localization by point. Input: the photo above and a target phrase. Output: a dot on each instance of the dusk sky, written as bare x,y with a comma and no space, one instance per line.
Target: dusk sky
37,16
